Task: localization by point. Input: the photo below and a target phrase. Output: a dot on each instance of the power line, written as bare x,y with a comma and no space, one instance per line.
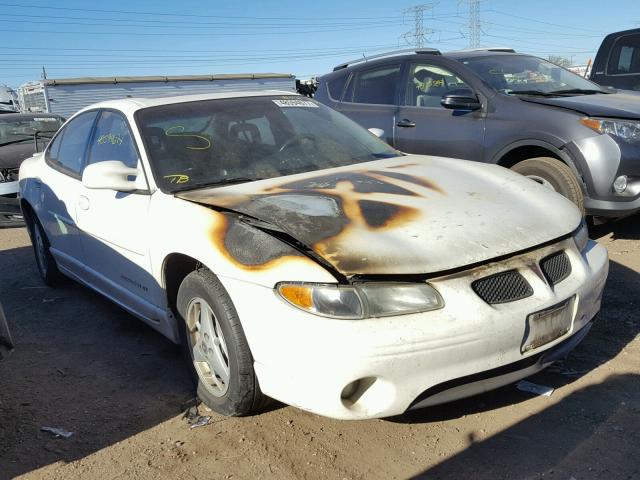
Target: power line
417,36
474,25
175,14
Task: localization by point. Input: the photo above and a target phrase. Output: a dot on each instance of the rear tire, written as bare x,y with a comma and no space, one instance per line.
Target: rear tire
553,174
216,347
47,265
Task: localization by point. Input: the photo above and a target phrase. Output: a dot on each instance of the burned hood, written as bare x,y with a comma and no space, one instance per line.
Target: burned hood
406,215
612,105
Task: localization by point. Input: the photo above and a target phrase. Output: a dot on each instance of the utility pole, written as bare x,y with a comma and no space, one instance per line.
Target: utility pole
44,73
474,25
417,35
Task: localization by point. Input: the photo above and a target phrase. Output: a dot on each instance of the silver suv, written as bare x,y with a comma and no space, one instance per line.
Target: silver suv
498,106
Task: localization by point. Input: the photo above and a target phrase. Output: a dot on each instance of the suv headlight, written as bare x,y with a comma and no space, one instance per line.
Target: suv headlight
626,130
354,302
581,236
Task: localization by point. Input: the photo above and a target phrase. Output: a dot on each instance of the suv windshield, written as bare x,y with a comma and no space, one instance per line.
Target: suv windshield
23,128
233,140
513,74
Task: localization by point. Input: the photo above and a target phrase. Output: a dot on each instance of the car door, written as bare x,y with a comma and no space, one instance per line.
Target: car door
60,188
424,126
114,225
370,98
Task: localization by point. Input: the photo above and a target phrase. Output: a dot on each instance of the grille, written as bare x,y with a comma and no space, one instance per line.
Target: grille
502,287
556,267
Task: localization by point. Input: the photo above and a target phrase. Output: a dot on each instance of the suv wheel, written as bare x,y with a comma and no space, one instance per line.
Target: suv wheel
553,174
216,346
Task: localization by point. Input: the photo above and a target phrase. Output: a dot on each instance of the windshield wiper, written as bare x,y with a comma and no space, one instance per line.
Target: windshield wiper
28,136
20,140
578,91
217,183
530,92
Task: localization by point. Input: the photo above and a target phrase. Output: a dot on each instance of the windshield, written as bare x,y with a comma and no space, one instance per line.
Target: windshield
511,74
232,140
14,129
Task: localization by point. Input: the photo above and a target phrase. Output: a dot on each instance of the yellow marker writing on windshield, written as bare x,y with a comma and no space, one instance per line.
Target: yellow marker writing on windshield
177,131
177,178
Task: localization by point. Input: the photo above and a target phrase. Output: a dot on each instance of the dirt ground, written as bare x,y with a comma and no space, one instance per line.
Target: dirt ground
84,365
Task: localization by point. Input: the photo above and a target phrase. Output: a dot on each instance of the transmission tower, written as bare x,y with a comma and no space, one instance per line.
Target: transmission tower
418,35
474,25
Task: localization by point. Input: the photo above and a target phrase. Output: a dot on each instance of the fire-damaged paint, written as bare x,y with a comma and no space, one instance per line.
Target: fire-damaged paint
409,224
407,215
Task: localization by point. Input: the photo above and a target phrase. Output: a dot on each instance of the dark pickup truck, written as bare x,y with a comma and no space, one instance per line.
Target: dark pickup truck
617,62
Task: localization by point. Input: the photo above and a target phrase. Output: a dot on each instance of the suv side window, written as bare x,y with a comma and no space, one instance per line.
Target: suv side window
112,141
376,85
625,57
67,151
428,83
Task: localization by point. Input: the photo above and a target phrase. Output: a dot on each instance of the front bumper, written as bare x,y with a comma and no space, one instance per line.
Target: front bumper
600,160
307,361
10,212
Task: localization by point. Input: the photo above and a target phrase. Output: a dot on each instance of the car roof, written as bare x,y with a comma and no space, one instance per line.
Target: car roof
137,103
428,54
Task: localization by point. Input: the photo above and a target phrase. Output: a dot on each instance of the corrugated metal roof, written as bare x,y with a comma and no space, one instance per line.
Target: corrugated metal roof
175,78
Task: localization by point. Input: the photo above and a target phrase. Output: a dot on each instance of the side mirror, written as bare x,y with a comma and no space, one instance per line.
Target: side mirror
378,132
460,100
111,175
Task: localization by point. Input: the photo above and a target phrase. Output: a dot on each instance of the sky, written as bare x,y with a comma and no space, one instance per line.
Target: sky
77,38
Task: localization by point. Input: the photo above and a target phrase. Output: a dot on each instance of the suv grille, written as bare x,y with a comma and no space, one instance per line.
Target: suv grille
556,267
502,287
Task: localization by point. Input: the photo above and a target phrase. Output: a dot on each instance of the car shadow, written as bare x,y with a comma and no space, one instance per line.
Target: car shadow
622,229
588,434
80,363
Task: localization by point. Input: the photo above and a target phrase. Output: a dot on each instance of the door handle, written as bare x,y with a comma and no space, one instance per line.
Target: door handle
83,202
406,123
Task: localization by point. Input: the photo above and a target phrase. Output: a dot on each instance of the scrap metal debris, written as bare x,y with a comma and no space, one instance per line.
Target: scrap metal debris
58,432
530,387
192,415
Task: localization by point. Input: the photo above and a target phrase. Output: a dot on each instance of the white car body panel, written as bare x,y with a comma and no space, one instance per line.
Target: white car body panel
307,360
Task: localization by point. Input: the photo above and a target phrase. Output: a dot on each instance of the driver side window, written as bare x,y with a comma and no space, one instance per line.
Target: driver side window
428,83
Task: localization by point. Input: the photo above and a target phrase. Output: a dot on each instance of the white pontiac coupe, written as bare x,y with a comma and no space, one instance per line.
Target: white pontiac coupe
297,256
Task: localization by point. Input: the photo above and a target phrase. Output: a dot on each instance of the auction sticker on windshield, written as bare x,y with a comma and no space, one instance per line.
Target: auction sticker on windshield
295,103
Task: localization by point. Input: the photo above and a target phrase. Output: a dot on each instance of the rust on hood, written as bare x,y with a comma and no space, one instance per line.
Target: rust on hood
371,219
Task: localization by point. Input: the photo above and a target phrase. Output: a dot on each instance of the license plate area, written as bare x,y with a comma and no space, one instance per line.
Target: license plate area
547,325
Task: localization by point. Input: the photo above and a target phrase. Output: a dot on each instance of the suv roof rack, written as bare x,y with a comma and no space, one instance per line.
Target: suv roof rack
485,49
425,51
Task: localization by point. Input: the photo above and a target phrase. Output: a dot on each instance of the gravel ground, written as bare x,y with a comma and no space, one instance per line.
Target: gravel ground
84,365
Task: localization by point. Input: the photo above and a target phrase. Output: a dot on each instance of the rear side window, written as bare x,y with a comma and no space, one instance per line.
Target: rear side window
68,149
377,85
625,57
336,86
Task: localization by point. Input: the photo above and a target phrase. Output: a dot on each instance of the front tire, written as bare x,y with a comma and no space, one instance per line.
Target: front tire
47,265
216,346
554,174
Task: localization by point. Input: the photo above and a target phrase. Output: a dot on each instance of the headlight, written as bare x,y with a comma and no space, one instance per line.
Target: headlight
353,302
581,236
627,130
